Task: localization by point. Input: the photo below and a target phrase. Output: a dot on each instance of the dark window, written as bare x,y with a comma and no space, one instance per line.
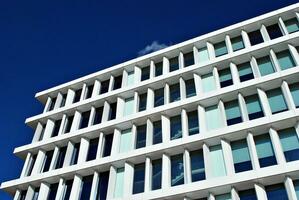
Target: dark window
112,111
173,64
237,43
247,194
84,119
23,195
48,160
89,91
75,155
255,37
193,125
158,69
159,97
117,82
175,92
141,136
265,150
138,180
60,158
52,104
157,135
42,133
177,170
175,127
53,191
241,157
104,86
86,187
290,144
233,112
225,77
31,165
36,193
188,59
156,174
103,186
142,102
98,116
245,72
92,149
69,124
56,128
68,189
274,31
63,100
220,49
276,192
190,88
107,145
145,73
197,166
254,107
77,95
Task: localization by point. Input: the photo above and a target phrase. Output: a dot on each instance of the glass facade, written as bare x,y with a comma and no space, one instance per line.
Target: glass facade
175,92
220,49
241,157
102,186
276,192
68,188
158,69
89,91
197,166
156,174
177,170
188,59
69,124
276,101
255,37
142,102
237,43
254,107
208,82
119,183
245,72
107,145
264,150
112,111
232,112
125,141
53,191
296,185
86,187
138,179
141,137
117,82
75,154
56,128
285,60
145,73
104,87
173,64
190,88
131,78
48,160
203,55
193,123
175,127
129,106
290,144
225,77
60,159
159,97
265,65
217,161
274,31
157,132
98,116
77,96
92,149
213,117
84,119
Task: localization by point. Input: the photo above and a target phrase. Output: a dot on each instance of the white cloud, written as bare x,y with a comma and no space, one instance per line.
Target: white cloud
155,46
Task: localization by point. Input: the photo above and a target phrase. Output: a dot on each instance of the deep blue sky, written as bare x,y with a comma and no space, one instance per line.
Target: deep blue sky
49,42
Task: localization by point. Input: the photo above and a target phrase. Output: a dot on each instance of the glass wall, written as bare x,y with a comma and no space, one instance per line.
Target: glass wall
173,64
255,37
158,69
247,194
131,78
103,186
188,59
92,149
203,55
274,31
142,102
84,119
145,73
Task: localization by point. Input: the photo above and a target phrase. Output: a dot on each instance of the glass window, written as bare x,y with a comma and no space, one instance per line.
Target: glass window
255,37
142,102
157,134
129,106
274,31
23,195
265,65
217,161
245,72
98,116
177,170
69,123
75,155
112,111
213,117
156,174
145,73
107,145
203,55
190,88
48,160
276,101
52,104
254,107
158,69
104,86
232,112
92,149
63,100
159,97
86,187
294,88
220,49
119,183
117,82
241,157
197,165
125,141
53,191
285,60
247,194
264,150
35,194
173,64
138,179
89,91
208,82
296,185
225,77
130,78
141,136
237,43
77,95
174,92
84,119
56,128
193,124
103,186
292,25
223,197
290,144
188,59
276,192
175,127
60,158
68,189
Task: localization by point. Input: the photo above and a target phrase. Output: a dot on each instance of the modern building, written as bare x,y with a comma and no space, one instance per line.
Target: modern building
215,117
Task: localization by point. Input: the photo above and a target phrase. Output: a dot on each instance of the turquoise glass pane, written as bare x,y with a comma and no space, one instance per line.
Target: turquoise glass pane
289,139
276,101
253,104
125,141
223,197
285,60
220,49
232,110
292,25
244,69
119,183
130,79
265,65
264,146
240,151
208,82
296,185
295,93
218,165
213,117
203,55
225,75
129,106
237,43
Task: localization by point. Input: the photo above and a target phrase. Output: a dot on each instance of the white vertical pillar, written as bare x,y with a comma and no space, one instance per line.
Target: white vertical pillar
274,61
181,60
198,84
165,128
136,102
187,167
195,55
216,77
134,136
245,39
49,129
29,193
182,89
137,74
27,163
128,177
96,88
101,145
202,119
47,106
17,195
243,107
184,119
44,191
255,68
152,69
149,132
60,190
148,175
277,146
54,158
252,152
166,94
58,102
84,92
228,44
222,112
166,168
228,157
62,124
235,73
39,162
76,121
111,83
83,151
288,96
264,101
70,97
111,182
260,192
91,116
116,142
234,194
125,78
207,162
165,65
76,188
38,132
150,99
211,197
94,187
106,111
282,26
264,33
294,53
120,107
68,154
289,185
211,50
